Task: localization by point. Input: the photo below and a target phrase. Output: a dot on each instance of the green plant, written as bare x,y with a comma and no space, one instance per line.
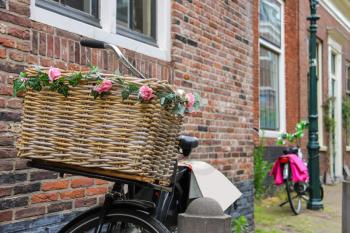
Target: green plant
293,137
240,225
346,112
329,121
261,169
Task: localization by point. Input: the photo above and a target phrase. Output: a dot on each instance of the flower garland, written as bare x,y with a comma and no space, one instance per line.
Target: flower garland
179,102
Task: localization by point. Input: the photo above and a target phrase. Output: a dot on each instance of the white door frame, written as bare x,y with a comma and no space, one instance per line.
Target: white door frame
334,47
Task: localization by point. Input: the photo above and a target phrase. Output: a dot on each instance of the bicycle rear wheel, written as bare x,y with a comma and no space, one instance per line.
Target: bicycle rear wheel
117,221
294,197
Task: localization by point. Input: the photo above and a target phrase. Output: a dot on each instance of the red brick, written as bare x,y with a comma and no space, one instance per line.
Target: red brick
96,191
21,164
44,197
6,90
23,46
31,59
6,165
101,182
3,102
57,47
2,53
5,191
21,9
72,194
59,207
29,212
46,62
79,203
49,46
19,33
16,56
82,182
42,27
6,215
6,42
42,44
55,185
15,103
16,20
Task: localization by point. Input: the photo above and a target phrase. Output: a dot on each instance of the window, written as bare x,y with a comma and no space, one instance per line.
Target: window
320,94
269,89
272,99
270,21
136,19
82,10
130,24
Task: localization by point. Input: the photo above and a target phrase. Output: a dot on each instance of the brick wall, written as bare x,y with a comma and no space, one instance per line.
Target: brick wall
212,53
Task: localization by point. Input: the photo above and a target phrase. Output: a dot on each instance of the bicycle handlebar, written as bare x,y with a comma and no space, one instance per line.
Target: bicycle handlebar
92,43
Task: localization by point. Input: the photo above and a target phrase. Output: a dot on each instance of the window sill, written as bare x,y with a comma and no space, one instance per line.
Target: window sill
323,148
269,133
107,31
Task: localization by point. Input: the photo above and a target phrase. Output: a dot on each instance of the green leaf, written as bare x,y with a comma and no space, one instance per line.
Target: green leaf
95,94
34,84
125,94
18,86
133,88
63,89
44,78
162,100
74,79
22,75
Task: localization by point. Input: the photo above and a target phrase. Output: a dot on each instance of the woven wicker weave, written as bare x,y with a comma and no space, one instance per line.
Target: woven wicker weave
124,137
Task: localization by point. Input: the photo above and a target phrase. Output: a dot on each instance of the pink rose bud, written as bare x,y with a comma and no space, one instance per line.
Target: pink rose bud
146,93
190,100
105,86
54,74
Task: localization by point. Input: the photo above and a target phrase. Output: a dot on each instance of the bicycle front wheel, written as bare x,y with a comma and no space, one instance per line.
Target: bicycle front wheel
118,221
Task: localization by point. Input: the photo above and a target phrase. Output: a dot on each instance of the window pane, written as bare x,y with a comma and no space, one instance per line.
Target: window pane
137,15
123,12
333,56
270,21
87,6
269,73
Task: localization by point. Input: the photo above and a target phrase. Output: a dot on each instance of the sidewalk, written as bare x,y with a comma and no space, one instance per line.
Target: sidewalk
274,219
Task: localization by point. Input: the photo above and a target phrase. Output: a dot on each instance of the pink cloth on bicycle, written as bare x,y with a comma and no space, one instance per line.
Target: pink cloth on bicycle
298,169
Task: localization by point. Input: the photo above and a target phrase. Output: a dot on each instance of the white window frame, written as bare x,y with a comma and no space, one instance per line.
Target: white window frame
347,93
108,30
323,147
336,48
281,81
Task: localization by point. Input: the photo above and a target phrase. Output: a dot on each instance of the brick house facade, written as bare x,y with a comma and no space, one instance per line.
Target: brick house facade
333,51
207,46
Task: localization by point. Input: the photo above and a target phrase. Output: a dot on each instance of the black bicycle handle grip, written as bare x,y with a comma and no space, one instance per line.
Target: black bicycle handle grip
93,43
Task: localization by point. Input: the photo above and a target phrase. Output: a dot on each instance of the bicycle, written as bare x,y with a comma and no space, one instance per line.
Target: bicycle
131,206
296,191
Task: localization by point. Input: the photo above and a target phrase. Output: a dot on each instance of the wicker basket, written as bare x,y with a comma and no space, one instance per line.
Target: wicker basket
124,138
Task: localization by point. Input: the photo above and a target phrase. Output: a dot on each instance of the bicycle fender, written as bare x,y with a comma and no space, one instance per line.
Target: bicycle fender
136,205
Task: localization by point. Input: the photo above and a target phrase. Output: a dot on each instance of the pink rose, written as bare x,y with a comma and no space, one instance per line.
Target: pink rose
24,80
146,93
190,100
105,86
54,74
